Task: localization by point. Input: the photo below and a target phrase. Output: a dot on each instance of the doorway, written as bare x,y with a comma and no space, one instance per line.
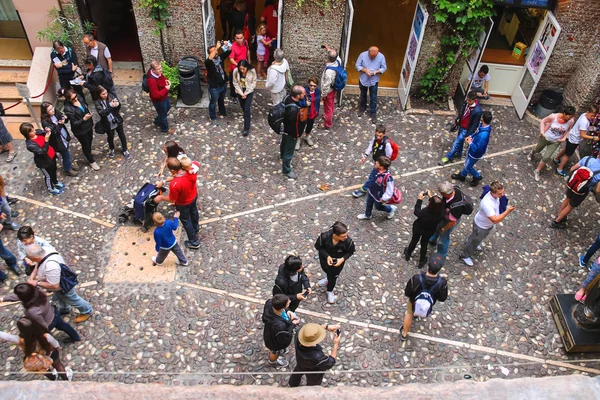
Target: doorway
115,26
385,24
13,39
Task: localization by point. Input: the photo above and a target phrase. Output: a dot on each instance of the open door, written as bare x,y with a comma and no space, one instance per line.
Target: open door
345,42
208,22
538,56
417,31
279,22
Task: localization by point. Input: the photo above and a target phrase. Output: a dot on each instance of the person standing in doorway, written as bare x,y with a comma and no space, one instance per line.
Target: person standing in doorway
371,64
468,122
99,51
240,50
293,125
159,87
481,82
217,81
270,17
335,247
578,132
328,93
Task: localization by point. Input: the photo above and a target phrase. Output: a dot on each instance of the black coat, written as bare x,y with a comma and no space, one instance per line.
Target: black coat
99,77
79,127
215,80
104,112
278,333
292,125
427,221
40,154
325,247
55,140
284,285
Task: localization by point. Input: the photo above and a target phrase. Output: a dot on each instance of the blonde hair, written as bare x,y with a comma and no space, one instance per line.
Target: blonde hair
186,163
158,218
259,28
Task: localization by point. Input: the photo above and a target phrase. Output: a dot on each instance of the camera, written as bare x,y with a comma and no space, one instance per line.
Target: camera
323,46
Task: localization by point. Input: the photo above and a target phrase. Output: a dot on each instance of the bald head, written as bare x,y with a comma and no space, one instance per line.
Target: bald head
373,51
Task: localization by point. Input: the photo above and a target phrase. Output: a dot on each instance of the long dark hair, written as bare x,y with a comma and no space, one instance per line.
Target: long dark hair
32,333
173,149
30,296
245,64
435,205
44,107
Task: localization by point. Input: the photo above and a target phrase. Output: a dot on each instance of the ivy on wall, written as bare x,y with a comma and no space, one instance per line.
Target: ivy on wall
158,10
322,3
463,22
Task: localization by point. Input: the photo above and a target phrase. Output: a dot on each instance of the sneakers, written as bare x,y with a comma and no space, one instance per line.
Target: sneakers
444,161
246,133
60,185
479,248
297,145
536,175
308,141
13,226
530,155
330,298
170,131
191,245
81,318
185,264
322,282
15,268
468,261
361,113
71,173
561,172
14,213
392,213
421,264
95,152
458,177
582,261
558,225
279,363
374,119
363,216
432,244
111,153
95,166
359,193
292,175
402,337
69,373
556,161
11,200
127,154
406,255
476,181
154,261
55,192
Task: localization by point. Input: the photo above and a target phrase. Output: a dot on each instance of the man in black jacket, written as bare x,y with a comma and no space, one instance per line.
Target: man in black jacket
293,126
310,356
217,80
292,281
279,329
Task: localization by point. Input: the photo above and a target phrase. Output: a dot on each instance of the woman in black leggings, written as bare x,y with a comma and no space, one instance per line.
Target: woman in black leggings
424,227
108,107
82,125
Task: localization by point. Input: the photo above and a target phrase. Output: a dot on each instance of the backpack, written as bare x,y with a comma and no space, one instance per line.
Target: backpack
68,278
145,87
276,116
341,77
580,180
466,201
424,301
395,149
397,196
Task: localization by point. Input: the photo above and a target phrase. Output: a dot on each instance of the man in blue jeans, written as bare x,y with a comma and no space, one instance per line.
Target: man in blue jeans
467,123
381,189
217,80
371,64
8,257
478,143
585,258
159,87
455,209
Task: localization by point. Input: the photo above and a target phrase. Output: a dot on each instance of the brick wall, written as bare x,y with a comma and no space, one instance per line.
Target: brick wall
305,29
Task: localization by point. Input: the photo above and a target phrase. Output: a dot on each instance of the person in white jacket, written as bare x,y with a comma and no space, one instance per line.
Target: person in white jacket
277,75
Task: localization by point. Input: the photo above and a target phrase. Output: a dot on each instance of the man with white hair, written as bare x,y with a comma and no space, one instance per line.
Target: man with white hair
328,93
456,206
371,64
277,76
47,275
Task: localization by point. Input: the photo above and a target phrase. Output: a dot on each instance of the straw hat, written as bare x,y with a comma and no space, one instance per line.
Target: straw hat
311,335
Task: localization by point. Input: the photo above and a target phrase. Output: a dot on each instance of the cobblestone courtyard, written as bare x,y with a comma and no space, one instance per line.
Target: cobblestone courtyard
205,326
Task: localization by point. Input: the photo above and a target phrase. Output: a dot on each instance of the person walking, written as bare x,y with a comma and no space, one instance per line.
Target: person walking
371,64
467,123
380,191
478,143
493,208
294,121
313,102
310,356
44,156
217,80
99,51
8,257
108,107
328,93
424,227
184,194
578,132
584,259
379,146
240,50
82,125
244,81
553,131
292,281
49,274
37,308
165,241
335,247
159,87
423,291
64,60
279,329
278,74
456,205
59,135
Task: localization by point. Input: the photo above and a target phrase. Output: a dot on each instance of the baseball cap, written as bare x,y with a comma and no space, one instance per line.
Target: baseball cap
436,262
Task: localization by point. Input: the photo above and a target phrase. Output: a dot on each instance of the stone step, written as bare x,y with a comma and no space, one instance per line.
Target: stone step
13,123
21,109
8,92
13,75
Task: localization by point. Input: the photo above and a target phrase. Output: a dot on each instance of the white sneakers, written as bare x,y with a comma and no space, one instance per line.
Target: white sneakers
330,297
279,363
363,216
536,175
154,261
468,261
392,213
323,282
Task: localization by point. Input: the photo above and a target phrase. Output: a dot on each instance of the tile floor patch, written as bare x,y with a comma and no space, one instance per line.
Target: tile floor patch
130,258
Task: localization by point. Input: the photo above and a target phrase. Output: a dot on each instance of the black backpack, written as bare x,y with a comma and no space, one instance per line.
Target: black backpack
276,116
145,87
466,202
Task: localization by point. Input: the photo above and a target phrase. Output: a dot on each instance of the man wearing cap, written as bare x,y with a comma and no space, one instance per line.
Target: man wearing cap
310,356
424,282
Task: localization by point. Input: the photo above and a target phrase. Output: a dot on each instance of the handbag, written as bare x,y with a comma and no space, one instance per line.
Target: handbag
99,128
36,362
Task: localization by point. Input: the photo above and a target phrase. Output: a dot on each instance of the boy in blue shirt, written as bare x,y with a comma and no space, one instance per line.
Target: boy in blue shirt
165,240
478,143
380,190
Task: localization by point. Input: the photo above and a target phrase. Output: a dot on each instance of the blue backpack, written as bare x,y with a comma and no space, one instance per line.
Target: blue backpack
341,77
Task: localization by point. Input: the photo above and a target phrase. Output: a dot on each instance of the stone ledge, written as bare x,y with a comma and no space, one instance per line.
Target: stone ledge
560,387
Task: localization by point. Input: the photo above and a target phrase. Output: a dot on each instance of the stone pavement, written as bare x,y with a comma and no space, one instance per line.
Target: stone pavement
205,326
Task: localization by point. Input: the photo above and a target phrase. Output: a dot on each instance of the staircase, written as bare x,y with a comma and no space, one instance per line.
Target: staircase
11,72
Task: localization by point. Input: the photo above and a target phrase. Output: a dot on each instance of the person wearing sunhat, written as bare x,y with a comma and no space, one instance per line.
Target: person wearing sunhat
310,356
423,290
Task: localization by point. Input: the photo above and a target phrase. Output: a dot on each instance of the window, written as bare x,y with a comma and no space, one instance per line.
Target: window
547,4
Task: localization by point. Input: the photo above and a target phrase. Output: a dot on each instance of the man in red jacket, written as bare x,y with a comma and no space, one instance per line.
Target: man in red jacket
159,88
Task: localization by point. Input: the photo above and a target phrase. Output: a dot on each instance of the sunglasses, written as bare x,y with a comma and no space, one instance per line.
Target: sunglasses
312,85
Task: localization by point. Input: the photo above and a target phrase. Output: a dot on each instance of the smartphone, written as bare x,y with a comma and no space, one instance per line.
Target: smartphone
305,293
338,331
322,46
334,261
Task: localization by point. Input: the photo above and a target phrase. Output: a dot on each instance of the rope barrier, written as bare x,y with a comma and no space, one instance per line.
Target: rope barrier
34,97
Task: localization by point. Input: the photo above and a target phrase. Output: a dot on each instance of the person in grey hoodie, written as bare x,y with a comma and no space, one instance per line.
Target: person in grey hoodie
277,76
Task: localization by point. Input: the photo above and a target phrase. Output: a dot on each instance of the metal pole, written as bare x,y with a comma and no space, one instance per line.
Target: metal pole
32,113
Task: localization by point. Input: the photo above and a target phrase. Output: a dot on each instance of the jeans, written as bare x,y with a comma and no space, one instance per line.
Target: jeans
5,209
278,97
66,300
110,137
469,168
162,110
378,206
66,160
371,178
286,152
372,97
443,240
309,125
590,253
8,257
61,325
189,219
217,95
311,379
474,240
328,108
457,146
163,253
594,271
246,104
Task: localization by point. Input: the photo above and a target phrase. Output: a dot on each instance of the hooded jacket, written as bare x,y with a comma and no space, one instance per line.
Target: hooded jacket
324,245
481,138
285,285
99,77
276,76
278,333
